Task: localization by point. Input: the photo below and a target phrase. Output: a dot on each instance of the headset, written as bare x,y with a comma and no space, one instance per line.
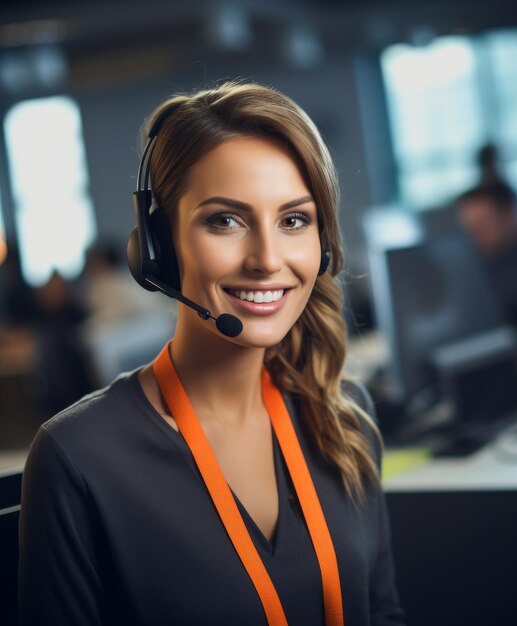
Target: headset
151,256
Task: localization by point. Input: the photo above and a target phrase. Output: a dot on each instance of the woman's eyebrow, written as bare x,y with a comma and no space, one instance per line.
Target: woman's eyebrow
237,204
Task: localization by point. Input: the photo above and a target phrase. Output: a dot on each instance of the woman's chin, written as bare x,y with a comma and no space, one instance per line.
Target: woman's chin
256,340
257,333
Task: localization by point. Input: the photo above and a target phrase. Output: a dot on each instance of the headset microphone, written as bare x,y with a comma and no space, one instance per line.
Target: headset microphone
227,324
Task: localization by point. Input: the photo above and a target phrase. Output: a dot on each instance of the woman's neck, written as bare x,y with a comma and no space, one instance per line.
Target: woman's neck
222,379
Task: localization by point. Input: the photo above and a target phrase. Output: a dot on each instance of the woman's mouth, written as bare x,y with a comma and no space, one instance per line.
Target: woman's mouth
259,302
258,296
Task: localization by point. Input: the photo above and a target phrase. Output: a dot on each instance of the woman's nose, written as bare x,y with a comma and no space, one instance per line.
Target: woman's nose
264,253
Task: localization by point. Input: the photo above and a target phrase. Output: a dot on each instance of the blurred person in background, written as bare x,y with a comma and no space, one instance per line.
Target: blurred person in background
21,408
39,335
488,213
109,294
18,305
63,365
488,163
125,326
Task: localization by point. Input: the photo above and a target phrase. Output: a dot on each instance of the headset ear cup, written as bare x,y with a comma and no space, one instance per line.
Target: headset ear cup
166,262
325,260
164,248
134,260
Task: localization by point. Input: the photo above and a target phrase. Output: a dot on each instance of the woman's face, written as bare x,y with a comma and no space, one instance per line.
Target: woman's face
247,225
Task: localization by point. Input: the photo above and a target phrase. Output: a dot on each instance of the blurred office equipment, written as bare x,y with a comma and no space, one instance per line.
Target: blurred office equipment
126,327
10,495
448,347
453,534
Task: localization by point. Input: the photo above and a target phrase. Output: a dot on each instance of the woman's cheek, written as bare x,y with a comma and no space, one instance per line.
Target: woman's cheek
214,257
305,257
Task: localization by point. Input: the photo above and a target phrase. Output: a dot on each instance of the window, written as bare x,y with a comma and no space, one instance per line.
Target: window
53,210
446,100
503,58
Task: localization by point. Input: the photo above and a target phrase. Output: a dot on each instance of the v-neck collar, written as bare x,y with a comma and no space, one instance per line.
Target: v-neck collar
271,548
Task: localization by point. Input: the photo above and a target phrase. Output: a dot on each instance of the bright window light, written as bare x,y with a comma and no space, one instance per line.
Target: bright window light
435,117
445,100
53,210
432,95
412,70
503,51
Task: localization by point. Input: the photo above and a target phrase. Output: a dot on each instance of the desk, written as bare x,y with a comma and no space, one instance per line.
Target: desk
10,486
492,468
12,461
454,536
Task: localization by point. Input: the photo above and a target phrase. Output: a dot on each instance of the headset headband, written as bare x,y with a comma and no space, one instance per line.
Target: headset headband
143,196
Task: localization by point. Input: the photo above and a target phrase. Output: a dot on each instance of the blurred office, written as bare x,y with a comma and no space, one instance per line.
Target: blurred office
418,105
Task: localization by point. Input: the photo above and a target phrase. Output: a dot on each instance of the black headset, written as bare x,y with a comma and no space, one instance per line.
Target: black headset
150,251
151,256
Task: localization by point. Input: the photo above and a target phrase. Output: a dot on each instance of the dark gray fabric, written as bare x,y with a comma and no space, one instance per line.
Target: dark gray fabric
117,528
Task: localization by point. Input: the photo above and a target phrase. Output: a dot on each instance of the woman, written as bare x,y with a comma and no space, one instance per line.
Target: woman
180,494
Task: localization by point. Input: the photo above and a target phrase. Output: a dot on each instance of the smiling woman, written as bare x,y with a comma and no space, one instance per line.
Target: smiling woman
262,246
234,480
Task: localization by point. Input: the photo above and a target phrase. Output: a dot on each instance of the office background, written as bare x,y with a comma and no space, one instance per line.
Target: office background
405,95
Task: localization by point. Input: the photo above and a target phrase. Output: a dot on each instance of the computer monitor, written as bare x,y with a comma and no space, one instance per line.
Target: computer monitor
427,291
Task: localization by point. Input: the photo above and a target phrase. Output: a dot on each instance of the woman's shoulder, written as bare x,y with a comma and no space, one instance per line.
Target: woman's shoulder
96,416
358,392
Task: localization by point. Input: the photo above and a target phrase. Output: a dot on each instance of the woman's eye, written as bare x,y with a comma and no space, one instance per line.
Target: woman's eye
298,217
222,221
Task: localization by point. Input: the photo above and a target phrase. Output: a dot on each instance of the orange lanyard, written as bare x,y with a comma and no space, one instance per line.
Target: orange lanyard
191,430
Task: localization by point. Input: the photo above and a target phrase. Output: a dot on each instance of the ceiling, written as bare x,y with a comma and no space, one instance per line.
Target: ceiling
115,38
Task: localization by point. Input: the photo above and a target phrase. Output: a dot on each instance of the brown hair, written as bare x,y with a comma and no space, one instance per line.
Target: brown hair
309,361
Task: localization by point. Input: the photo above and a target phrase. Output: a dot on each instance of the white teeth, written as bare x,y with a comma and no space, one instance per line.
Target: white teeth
258,296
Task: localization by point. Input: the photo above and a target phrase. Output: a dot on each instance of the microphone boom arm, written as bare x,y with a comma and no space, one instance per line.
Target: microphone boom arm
227,324
172,293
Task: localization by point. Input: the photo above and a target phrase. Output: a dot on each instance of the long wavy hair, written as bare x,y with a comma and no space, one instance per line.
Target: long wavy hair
309,360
